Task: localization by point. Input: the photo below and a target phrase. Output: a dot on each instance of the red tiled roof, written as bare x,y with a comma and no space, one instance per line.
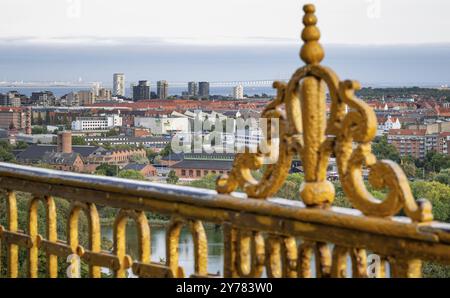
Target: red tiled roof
408,132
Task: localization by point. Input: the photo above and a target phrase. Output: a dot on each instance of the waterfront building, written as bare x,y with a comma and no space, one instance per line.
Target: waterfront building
119,84
238,92
104,94
141,91
43,98
203,89
192,89
86,97
162,89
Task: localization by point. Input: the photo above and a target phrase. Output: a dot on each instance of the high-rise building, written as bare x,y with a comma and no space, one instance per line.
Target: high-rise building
104,94
192,88
95,88
119,84
238,92
86,97
162,89
12,99
141,91
203,89
9,115
44,98
132,85
71,99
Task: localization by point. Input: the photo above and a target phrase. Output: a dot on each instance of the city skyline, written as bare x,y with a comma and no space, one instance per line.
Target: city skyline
424,65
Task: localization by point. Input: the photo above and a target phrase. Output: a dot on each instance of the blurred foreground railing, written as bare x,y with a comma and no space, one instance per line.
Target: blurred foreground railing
276,234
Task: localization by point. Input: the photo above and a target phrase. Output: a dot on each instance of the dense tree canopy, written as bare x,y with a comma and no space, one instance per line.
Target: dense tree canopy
383,150
131,174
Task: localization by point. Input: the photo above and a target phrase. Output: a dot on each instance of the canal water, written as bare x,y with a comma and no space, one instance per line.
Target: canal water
186,247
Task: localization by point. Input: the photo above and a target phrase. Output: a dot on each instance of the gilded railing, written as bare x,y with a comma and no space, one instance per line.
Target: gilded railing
261,235
282,237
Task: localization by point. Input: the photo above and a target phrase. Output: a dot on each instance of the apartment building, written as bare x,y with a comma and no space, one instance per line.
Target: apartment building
12,115
409,142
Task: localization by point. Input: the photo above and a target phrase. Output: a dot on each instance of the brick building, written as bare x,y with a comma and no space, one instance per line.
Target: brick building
116,157
147,170
409,142
14,115
195,166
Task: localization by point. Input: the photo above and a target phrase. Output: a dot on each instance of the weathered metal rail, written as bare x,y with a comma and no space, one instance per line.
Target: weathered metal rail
283,237
277,234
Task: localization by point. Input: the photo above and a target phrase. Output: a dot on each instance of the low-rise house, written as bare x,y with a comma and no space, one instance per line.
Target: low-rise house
196,169
171,159
64,161
35,153
116,157
197,165
146,170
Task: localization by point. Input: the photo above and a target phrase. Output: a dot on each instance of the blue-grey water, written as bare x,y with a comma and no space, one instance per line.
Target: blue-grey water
186,245
381,65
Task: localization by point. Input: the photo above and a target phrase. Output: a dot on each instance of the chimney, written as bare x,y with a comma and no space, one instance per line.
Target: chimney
64,142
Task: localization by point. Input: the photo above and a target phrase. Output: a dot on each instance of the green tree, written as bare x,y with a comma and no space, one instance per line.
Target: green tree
151,155
172,177
36,130
107,170
131,174
291,187
208,182
21,145
409,168
111,133
434,161
437,193
443,176
78,140
167,150
139,159
6,151
383,150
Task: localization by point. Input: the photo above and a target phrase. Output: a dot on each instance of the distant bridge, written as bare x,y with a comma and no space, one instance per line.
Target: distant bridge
244,83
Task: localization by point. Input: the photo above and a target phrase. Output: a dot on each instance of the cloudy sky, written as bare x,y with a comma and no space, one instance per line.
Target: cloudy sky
220,39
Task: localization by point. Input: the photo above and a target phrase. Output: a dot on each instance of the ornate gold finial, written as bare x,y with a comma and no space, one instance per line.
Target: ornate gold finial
312,51
346,134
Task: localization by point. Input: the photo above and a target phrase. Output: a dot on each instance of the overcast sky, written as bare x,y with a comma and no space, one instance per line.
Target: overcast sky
375,41
225,21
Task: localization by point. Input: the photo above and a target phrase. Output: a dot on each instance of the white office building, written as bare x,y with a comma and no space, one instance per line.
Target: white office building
238,92
96,123
163,125
119,84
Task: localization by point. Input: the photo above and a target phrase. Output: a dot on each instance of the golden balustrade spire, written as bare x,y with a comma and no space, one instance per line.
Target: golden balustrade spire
312,51
305,130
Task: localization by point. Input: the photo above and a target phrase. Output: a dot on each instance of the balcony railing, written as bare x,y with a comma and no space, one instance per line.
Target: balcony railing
276,234
284,238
